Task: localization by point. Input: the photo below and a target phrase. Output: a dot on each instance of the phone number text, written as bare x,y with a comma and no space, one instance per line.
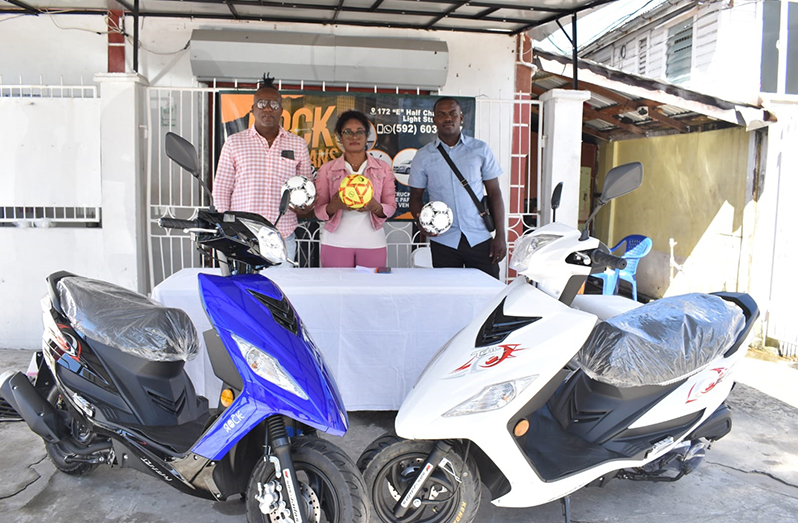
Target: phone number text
406,128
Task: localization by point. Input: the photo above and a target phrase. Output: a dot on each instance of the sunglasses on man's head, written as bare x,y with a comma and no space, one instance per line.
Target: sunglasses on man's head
271,104
360,133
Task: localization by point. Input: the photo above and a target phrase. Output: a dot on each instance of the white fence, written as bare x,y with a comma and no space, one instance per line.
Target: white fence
51,169
503,124
50,201
781,324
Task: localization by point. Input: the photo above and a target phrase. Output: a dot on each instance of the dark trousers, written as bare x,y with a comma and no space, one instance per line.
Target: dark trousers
476,257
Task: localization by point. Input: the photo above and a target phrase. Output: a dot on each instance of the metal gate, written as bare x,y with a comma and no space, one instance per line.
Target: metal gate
503,124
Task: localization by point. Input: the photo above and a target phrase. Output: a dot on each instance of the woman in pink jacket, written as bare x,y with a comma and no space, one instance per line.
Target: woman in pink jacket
354,236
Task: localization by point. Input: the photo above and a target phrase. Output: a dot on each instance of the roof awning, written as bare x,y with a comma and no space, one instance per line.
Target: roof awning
483,16
625,105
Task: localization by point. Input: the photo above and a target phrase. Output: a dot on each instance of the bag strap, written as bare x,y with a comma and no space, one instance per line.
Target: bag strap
463,181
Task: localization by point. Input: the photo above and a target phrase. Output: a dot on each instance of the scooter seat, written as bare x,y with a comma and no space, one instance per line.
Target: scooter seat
127,320
661,342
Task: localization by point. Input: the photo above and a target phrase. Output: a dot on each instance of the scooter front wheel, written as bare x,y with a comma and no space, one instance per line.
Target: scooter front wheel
329,483
450,494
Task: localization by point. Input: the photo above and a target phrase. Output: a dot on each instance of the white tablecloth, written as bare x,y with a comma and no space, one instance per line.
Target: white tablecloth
376,331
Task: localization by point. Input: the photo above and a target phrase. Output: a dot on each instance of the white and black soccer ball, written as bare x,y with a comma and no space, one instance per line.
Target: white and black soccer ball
302,190
436,217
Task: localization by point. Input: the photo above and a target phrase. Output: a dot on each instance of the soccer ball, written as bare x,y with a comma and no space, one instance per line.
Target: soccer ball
436,217
302,191
355,191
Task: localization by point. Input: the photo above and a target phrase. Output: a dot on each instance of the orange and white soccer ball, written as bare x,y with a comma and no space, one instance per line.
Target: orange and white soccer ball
356,191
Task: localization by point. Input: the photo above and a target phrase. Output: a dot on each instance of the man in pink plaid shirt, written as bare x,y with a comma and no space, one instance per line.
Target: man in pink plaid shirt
254,164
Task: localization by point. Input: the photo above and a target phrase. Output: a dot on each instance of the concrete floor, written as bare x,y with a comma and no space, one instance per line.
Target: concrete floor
749,476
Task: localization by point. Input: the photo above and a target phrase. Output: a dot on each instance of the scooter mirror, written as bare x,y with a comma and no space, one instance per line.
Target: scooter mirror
555,201
283,205
182,153
284,201
556,195
622,180
619,181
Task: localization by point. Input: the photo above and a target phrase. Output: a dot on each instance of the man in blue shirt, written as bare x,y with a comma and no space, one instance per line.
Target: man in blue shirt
467,243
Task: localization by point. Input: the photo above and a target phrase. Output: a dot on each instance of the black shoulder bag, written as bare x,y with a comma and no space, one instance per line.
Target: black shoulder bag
482,206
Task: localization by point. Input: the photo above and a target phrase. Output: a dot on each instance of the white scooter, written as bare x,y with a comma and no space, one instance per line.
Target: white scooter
537,397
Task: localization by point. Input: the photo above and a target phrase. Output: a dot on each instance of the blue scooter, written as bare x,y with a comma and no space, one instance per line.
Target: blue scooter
110,387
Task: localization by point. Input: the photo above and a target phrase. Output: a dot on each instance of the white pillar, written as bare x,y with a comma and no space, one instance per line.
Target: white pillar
123,152
562,152
774,247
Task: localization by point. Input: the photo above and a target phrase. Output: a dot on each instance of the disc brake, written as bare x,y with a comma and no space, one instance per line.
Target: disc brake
434,491
271,503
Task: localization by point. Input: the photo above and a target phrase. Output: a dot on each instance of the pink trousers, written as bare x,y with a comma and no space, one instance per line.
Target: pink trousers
345,257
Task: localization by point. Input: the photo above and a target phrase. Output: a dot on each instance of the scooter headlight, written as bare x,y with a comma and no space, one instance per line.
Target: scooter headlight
526,246
493,397
267,367
270,243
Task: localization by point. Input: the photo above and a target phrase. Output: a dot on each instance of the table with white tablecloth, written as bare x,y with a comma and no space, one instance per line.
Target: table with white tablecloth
377,331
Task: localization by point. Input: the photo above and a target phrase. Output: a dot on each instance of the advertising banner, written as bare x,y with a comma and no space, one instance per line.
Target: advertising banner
400,125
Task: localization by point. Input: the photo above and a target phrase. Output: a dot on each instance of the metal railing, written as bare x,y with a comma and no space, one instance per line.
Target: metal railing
503,124
21,213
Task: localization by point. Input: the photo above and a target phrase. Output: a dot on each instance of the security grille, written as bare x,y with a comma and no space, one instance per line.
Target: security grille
680,52
171,192
642,55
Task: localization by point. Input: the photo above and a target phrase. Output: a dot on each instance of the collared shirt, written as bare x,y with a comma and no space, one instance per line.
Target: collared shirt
250,174
477,164
329,179
355,229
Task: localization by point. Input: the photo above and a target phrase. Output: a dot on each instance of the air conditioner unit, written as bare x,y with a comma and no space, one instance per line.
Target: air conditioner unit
315,58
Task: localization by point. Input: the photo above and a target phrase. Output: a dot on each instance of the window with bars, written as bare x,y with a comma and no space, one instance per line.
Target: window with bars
680,52
642,55
52,216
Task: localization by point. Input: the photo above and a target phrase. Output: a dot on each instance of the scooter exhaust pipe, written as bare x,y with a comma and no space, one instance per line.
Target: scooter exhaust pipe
73,448
40,416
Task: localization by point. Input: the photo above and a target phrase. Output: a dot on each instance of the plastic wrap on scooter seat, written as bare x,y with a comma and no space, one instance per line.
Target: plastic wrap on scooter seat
127,320
661,342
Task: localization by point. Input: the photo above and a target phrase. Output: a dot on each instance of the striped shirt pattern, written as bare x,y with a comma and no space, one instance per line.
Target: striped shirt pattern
250,174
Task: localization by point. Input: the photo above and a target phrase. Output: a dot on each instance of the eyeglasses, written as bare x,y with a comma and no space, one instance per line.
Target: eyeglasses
360,133
274,105
452,114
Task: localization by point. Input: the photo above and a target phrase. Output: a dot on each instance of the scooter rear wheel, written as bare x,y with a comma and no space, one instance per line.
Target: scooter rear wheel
328,480
55,453
391,471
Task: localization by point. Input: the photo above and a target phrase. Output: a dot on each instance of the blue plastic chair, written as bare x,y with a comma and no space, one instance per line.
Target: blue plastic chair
636,246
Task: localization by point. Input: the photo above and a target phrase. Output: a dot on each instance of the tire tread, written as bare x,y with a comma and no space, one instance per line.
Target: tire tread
355,509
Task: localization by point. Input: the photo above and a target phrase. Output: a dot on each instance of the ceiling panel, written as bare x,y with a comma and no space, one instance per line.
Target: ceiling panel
505,16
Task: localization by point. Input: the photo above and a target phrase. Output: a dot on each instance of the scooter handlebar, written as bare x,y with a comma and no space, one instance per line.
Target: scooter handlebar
607,260
174,223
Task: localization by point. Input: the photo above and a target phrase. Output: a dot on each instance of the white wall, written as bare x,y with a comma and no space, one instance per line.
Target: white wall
775,246
727,46
52,50
727,43
29,256
478,64
113,252
59,168
68,49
